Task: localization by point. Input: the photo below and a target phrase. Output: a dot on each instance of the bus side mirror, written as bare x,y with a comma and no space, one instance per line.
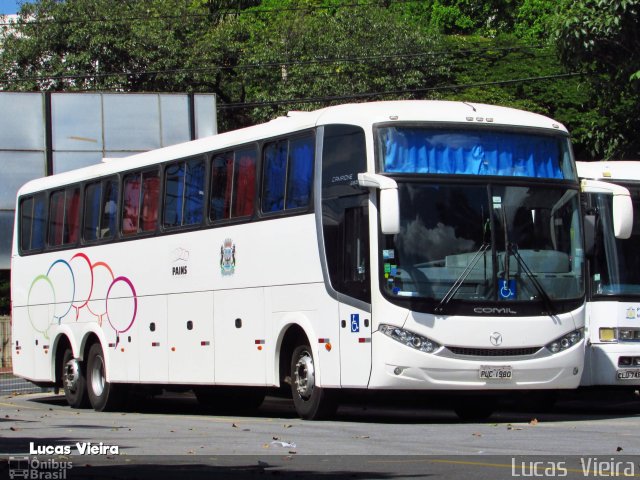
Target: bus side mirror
622,215
389,208
622,206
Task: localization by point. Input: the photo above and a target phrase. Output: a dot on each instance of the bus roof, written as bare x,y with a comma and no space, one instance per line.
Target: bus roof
612,169
361,114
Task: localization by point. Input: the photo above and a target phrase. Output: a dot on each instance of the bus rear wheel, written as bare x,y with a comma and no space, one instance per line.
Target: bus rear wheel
311,402
104,396
73,381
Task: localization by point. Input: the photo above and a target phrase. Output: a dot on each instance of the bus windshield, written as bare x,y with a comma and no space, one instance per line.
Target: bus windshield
480,240
474,152
616,263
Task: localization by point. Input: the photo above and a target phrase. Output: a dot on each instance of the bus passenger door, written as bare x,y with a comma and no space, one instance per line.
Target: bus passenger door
355,347
355,317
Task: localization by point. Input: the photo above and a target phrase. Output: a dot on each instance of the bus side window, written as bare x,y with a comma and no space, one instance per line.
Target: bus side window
183,193
91,224
274,176
221,178
26,223
39,227
150,201
109,213
56,218
130,203
244,185
194,192
72,215
300,174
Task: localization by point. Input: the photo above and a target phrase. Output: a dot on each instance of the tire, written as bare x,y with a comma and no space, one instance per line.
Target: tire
229,399
104,396
73,380
311,402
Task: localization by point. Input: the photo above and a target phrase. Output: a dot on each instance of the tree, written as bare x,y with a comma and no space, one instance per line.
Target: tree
324,51
602,39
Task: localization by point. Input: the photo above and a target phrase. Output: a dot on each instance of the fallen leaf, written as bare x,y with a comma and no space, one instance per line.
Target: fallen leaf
476,434
287,426
234,425
14,429
533,421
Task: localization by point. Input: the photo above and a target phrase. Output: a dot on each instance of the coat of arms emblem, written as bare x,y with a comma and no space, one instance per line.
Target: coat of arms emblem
227,257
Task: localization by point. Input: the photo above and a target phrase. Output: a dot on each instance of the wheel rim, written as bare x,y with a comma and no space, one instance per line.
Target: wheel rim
97,376
304,375
71,375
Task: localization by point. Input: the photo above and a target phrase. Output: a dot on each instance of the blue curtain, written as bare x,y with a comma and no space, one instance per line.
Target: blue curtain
194,192
275,171
416,150
39,222
300,173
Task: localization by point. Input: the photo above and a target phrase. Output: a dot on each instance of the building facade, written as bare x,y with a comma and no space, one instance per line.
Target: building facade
47,133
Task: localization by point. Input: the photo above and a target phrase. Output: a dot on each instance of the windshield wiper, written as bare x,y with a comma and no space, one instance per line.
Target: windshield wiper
463,276
513,249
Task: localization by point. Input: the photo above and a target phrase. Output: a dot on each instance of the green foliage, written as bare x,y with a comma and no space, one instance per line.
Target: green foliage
602,39
264,57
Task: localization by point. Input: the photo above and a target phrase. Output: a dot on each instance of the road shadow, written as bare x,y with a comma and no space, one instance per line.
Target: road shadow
398,409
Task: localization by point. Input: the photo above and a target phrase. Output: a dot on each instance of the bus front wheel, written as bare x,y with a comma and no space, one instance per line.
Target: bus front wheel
311,401
73,381
104,396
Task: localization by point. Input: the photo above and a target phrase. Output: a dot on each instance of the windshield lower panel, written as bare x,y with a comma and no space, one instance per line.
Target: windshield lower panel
616,262
483,248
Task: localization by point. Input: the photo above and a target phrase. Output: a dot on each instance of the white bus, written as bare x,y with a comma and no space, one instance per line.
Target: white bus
612,355
409,245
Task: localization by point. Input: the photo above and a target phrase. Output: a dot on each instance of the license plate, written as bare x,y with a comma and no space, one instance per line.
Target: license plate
495,373
628,374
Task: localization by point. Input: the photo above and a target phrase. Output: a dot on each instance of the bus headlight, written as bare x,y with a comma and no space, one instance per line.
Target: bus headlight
608,335
566,341
409,338
613,335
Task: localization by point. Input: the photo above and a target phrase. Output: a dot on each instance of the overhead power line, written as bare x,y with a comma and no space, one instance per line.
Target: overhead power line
355,96
278,65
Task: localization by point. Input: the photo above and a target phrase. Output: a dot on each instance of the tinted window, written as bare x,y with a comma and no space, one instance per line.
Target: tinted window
288,174
92,197
233,184
64,216
344,155
32,222
100,209
183,193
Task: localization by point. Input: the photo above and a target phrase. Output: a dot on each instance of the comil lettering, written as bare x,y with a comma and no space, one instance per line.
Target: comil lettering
495,310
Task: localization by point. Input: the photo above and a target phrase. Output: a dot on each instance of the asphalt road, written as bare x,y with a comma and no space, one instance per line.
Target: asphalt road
171,436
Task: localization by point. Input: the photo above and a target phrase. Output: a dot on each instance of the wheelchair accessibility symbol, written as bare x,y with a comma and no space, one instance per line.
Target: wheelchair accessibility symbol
507,289
355,322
